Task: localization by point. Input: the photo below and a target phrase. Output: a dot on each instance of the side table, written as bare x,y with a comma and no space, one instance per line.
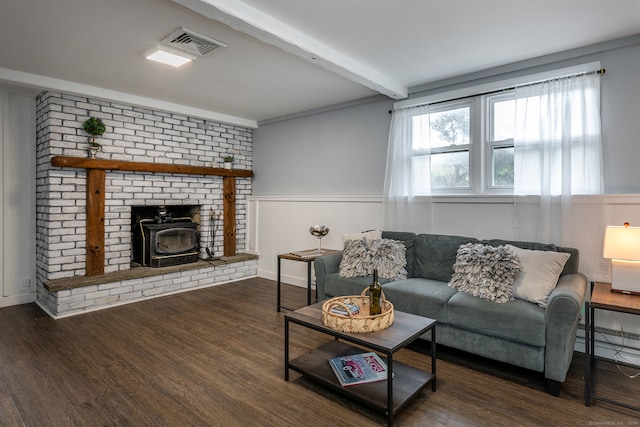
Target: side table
603,299
308,256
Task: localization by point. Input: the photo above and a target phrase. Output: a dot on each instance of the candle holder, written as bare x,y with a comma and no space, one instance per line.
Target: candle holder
319,231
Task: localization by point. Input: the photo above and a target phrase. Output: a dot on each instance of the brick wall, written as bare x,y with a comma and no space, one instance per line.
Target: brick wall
133,134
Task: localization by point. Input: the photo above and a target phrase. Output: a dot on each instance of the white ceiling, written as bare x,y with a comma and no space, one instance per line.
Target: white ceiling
287,56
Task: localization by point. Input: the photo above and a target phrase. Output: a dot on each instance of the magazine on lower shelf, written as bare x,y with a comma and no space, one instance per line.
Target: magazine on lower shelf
359,368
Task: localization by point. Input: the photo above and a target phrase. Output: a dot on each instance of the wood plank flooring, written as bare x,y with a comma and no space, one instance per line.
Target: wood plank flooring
214,357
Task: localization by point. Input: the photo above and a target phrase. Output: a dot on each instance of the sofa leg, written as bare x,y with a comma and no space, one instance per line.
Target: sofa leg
553,387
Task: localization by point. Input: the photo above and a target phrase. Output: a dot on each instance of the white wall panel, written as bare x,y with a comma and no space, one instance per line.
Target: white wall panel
284,227
17,194
284,223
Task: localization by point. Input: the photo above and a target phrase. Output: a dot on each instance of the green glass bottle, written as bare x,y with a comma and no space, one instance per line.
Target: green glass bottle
375,307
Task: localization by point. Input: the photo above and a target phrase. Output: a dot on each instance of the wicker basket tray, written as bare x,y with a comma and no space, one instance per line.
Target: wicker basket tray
360,322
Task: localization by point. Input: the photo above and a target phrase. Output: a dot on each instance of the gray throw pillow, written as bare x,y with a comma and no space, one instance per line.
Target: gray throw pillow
361,256
486,272
389,257
356,259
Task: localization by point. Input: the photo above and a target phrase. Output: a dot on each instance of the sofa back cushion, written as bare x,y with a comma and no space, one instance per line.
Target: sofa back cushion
435,255
570,267
409,240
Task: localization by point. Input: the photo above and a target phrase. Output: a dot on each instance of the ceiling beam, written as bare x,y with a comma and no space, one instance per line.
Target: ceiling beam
249,20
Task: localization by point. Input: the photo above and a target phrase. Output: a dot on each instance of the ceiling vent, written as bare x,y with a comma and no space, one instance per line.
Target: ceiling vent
192,42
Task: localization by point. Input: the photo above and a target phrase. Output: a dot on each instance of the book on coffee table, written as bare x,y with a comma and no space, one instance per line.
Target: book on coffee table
359,368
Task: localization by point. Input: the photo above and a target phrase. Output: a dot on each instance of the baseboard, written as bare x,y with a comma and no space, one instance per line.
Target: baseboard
287,278
17,299
612,345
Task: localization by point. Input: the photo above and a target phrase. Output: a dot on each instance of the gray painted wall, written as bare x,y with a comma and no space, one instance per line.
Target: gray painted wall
343,151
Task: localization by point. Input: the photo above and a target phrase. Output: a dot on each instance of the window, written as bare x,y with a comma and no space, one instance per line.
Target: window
442,148
540,137
449,145
501,112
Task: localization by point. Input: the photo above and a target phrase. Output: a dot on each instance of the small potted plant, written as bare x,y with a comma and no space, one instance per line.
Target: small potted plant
228,161
94,127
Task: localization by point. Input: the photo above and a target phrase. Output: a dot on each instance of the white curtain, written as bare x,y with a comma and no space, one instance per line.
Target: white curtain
399,203
557,161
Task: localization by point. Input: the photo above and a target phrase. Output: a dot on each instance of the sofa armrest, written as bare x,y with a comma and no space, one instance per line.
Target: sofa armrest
323,266
563,315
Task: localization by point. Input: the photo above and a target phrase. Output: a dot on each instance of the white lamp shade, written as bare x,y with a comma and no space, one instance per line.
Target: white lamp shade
622,243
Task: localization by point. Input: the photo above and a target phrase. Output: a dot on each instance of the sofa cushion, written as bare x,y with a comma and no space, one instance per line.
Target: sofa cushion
423,297
435,255
539,276
361,257
518,320
485,271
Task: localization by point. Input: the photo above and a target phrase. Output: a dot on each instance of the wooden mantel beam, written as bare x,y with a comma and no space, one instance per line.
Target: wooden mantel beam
96,193
121,165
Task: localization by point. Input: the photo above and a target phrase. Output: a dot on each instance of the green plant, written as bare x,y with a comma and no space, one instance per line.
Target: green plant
228,159
94,127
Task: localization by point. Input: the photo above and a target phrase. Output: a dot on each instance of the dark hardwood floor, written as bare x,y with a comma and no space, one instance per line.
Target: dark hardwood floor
214,357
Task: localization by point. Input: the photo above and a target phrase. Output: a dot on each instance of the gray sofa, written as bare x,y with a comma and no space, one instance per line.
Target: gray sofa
517,332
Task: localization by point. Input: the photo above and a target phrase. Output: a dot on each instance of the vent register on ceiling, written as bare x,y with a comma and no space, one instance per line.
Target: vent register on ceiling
197,45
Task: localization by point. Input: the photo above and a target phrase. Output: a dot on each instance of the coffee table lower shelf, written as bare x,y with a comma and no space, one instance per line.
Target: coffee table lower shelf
407,381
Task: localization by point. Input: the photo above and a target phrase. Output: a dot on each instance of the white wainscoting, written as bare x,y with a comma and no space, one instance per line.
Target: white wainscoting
17,199
280,225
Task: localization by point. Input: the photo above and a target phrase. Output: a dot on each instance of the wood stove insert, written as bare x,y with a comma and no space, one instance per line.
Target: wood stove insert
164,238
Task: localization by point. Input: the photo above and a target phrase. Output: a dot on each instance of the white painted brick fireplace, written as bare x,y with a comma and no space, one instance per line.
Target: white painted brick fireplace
138,135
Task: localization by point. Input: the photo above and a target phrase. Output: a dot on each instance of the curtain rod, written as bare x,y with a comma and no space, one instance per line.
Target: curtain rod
601,72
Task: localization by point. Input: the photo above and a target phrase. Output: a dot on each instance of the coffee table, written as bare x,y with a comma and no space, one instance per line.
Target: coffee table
403,382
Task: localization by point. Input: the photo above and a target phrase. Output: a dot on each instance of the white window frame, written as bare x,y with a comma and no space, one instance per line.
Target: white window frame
480,180
490,144
470,147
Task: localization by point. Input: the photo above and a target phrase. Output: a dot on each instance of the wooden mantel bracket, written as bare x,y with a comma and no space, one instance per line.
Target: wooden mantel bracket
96,195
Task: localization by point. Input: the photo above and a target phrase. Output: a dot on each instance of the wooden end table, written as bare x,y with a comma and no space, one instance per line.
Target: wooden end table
403,382
308,256
603,298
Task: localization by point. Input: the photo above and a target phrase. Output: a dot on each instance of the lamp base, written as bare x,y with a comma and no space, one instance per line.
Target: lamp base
625,276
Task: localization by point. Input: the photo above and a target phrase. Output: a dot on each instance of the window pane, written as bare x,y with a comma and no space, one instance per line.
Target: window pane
420,132
504,120
502,166
450,170
450,127
420,175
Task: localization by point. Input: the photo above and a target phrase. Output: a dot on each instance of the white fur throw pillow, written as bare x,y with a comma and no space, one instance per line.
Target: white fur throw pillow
361,256
485,271
540,273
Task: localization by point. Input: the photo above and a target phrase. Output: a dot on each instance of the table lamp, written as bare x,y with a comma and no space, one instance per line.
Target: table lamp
622,245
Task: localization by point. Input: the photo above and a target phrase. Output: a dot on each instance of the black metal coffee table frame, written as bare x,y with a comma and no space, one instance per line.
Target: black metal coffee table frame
403,382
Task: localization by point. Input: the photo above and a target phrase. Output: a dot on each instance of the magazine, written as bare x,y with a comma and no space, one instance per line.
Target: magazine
308,254
359,368
338,309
